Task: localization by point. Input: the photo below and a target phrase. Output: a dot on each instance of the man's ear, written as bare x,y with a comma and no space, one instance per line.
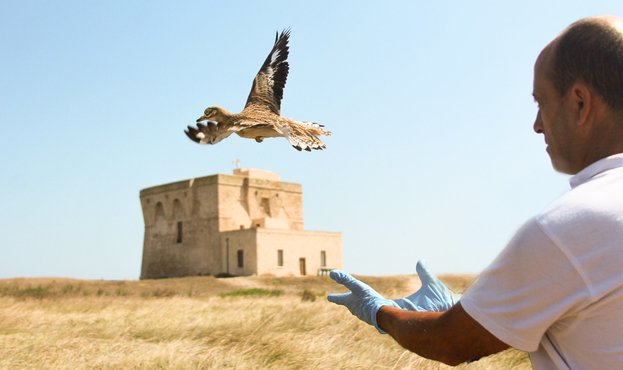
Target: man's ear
582,99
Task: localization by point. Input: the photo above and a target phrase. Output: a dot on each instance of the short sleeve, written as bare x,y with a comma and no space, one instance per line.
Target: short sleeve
530,285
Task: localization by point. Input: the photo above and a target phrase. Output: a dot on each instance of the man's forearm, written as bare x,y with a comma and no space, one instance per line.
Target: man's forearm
416,331
452,337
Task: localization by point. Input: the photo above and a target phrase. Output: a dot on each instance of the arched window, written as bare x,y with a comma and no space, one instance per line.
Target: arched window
265,206
196,207
178,210
159,211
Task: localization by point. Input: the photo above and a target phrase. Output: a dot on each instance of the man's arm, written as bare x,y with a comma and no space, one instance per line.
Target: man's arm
451,337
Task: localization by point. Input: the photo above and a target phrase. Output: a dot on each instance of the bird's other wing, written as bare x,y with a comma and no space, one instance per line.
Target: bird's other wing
267,90
301,137
211,133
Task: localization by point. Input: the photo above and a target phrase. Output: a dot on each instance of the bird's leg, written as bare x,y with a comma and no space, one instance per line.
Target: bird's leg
259,139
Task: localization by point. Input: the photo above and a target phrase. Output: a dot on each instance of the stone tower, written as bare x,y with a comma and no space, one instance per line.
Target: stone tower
242,224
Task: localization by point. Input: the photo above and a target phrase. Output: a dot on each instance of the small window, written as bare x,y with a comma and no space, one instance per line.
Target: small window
240,258
323,258
179,232
280,257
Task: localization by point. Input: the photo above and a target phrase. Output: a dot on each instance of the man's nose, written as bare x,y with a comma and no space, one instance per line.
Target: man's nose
538,123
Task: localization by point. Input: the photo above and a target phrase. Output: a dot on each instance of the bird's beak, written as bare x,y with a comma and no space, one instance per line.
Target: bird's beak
202,118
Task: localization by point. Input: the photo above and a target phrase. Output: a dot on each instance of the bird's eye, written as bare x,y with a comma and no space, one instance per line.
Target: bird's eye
207,111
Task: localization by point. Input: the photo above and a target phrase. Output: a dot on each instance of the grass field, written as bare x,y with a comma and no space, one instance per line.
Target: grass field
203,323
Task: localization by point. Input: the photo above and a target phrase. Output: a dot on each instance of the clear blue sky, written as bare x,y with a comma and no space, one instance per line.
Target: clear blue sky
432,155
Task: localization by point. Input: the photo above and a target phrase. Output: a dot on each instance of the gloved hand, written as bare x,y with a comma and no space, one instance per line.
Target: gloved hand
433,296
362,301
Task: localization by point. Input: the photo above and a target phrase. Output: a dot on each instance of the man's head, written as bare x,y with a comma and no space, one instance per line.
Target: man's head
578,83
591,51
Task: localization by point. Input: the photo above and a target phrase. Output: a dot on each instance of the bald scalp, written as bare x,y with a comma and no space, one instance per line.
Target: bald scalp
591,51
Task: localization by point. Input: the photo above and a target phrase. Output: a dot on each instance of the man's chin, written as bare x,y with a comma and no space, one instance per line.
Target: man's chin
564,168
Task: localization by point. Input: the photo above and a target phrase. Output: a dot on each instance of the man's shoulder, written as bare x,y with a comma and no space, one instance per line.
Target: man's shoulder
592,208
598,197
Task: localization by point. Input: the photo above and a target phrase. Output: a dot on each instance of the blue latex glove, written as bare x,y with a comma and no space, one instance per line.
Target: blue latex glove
433,296
362,301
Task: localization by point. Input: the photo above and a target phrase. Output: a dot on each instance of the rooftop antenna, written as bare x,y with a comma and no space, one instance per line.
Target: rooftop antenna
236,162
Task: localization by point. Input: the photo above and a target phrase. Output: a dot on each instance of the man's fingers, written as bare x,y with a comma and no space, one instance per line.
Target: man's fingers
339,298
423,272
339,276
344,278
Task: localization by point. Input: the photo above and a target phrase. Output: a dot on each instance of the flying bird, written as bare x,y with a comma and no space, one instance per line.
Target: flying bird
261,117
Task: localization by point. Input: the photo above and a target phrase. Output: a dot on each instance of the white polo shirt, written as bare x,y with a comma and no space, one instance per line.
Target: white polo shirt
556,290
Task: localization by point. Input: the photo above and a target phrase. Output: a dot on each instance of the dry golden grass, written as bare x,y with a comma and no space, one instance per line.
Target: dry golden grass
185,324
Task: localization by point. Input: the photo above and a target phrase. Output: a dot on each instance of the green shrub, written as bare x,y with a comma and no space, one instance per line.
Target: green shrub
252,292
38,292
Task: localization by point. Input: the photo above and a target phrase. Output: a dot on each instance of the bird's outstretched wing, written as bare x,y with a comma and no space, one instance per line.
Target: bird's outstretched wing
267,90
211,133
302,135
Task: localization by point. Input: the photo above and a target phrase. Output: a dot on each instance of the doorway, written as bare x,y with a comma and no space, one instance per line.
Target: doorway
302,266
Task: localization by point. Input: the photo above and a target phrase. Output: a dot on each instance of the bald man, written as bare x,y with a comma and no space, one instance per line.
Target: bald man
556,290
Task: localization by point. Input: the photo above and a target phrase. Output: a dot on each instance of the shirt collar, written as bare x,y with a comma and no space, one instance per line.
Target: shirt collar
602,165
